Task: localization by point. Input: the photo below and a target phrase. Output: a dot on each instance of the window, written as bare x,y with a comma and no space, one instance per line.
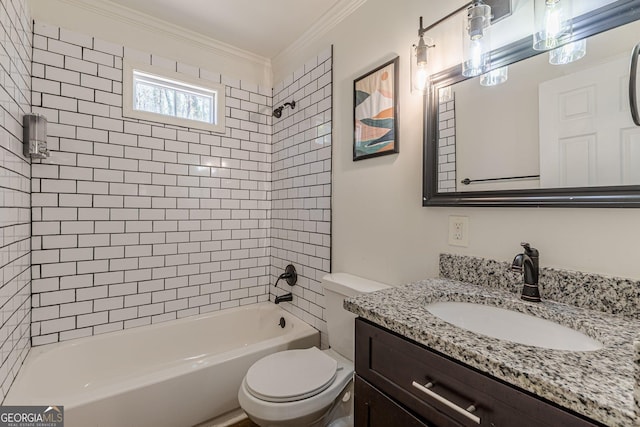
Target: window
172,98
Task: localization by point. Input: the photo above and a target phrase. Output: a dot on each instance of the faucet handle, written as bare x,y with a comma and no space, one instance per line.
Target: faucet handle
532,252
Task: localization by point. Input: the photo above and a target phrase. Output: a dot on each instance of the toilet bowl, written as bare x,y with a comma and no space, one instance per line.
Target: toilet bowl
310,387
295,387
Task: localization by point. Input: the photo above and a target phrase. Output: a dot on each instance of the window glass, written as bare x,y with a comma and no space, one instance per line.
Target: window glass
172,98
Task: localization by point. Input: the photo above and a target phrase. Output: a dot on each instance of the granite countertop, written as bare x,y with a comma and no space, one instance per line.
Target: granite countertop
598,384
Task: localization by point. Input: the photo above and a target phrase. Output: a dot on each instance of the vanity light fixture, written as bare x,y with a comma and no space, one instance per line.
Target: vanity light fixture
568,53
419,61
495,77
553,23
479,16
476,43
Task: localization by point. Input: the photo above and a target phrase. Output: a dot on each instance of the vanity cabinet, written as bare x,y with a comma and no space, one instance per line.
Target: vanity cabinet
402,383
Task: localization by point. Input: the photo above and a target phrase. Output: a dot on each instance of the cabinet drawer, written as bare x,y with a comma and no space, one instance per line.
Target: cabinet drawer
374,409
455,395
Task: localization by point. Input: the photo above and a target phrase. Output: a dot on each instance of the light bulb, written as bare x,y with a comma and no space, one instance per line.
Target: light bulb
420,65
478,58
476,42
553,25
552,20
475,58
421,76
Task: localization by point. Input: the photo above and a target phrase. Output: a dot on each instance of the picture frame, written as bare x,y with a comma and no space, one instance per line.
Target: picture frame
375,112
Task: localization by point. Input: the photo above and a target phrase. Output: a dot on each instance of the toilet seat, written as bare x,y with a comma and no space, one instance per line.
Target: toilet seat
298,412
291,375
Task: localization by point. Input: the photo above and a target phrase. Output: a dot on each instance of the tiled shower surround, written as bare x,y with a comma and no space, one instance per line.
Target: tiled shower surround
137,222
447,143
15,275
301,193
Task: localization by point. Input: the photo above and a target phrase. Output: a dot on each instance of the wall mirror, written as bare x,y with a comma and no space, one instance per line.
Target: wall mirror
549,135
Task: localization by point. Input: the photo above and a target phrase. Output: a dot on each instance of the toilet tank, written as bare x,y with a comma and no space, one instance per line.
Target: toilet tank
340,322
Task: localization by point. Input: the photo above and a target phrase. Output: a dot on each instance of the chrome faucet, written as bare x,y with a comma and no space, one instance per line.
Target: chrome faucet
528,263
283,298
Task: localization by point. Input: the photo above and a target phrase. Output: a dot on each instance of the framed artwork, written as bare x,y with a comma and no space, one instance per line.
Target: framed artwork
375,112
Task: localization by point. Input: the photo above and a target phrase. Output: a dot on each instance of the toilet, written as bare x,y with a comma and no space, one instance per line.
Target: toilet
310,387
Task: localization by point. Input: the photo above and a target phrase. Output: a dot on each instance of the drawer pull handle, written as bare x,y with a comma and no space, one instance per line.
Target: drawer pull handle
446,402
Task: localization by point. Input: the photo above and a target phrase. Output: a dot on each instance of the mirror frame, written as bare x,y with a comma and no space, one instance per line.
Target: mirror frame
606,18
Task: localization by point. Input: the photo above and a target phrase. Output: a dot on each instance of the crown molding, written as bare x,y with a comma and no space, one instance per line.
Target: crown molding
130,16
338,12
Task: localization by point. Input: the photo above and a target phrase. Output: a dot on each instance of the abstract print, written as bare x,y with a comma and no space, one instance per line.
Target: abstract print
375,112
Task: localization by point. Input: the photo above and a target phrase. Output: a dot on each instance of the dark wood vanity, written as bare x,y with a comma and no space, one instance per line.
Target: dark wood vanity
401,383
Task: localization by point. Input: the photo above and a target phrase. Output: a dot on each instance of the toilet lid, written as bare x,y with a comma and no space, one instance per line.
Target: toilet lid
291,375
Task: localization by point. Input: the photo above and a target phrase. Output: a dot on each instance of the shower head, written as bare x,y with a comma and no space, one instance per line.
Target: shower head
277,113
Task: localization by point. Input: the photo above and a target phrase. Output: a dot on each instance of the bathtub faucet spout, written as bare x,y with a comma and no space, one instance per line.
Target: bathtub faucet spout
285,297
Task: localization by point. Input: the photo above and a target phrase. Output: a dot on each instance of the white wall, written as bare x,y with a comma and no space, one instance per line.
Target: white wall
381,231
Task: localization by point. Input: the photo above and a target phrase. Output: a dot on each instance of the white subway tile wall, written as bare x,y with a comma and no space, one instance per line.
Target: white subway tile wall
137,222
447,145
15,170
301,195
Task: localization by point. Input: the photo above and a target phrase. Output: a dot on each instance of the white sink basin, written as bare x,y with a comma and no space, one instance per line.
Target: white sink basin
512,326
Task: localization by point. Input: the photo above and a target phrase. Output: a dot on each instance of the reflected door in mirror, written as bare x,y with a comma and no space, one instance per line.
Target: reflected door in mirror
587,137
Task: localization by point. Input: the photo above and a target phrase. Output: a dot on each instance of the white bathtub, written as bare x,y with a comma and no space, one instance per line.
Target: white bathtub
174,374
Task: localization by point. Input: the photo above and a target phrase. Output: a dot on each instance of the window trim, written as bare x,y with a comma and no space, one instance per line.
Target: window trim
127,97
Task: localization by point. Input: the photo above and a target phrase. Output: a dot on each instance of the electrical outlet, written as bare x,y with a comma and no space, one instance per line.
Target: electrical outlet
459,231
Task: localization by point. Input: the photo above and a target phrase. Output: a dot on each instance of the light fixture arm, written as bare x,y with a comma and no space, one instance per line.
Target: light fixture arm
441,20
505,12
421,31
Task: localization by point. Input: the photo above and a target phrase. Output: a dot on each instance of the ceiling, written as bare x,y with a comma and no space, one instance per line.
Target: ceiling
263,27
